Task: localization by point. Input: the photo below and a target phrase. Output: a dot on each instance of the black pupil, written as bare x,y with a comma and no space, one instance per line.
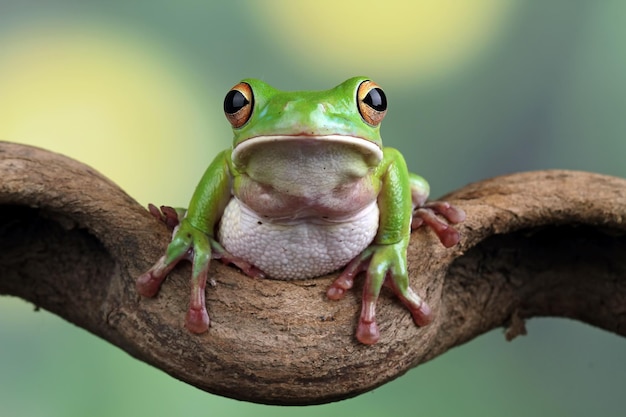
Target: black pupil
376,99
234,101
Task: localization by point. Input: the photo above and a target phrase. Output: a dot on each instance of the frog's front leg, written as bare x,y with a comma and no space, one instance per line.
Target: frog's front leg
193,240
385,260
384,265
427,213
199,248
194,245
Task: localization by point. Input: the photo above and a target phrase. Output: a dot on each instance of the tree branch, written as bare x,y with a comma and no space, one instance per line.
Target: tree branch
535,244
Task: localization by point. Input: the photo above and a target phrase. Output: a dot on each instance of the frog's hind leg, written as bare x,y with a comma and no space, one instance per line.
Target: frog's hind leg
430,213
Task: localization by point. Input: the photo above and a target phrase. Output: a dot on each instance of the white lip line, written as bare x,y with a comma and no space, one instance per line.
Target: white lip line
353,140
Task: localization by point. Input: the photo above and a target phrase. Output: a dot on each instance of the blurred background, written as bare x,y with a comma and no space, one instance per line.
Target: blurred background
476,89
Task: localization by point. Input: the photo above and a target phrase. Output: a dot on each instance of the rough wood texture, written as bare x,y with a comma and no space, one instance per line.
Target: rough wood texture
535,244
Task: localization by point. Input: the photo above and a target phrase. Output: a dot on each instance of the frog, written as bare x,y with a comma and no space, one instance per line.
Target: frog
306,189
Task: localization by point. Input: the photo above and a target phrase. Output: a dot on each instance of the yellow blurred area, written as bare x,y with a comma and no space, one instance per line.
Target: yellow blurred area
109,98
115,98
423,39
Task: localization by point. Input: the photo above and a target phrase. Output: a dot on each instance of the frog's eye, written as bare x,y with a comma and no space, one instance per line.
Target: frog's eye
372,102
238,104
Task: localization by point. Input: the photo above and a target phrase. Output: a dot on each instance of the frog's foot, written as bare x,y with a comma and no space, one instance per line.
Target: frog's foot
378,274
166,214
428,214
148,284
189,244
197,318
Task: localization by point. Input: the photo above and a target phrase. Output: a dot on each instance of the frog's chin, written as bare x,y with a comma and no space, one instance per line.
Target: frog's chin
371,151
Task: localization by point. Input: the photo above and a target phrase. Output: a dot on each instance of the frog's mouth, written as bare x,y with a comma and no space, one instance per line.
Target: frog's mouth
371,152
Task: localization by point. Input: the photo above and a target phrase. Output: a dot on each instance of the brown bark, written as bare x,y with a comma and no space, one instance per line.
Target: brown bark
534,244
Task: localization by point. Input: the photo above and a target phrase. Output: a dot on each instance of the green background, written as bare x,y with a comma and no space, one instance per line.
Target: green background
135,88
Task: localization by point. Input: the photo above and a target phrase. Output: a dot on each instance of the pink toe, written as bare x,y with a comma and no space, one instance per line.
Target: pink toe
367,333
423,316
197,321
335,293
148,285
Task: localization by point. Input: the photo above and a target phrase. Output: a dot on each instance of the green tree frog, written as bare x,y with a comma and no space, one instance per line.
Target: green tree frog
306,189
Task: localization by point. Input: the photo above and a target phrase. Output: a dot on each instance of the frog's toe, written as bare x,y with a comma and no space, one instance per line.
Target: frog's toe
340,286
367,332
335,292
197,320
166,214
227,258
422,315
450,212
429,214
148,283
419,309
245,267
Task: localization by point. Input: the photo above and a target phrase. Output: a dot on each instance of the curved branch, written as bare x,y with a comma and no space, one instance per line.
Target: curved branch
537,243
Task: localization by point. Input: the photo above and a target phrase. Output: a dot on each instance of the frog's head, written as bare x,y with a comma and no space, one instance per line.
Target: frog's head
349,113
